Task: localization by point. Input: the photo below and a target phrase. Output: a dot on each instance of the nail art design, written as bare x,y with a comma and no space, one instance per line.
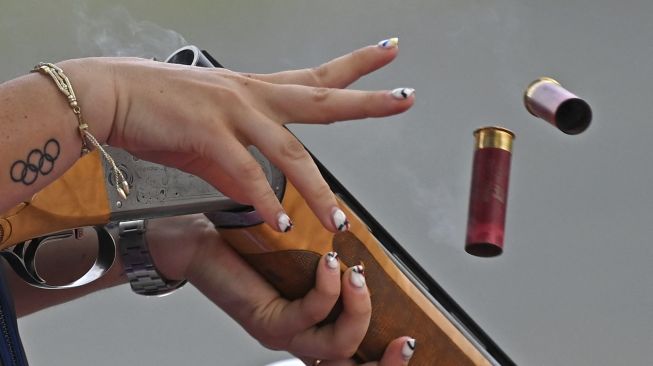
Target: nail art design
340,220
402,93
357,277
389,43
332,260
284,223
408,349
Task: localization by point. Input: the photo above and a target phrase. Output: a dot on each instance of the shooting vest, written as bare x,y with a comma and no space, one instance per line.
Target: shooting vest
11,348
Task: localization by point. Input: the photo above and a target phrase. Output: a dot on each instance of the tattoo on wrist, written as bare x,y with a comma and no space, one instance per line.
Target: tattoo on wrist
37,162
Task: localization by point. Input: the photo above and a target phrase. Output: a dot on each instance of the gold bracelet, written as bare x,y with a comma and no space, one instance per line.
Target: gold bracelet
64,85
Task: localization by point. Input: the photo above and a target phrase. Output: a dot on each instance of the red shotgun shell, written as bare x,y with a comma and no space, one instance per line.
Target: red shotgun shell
489,191
547,99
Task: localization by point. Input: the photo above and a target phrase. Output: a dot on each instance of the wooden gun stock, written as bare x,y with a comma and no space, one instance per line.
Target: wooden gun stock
289,260
78,198
399,307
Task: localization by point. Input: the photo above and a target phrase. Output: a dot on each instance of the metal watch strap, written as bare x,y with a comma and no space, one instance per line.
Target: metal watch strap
137,262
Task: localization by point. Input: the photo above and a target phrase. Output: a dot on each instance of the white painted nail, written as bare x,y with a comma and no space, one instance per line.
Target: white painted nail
340,220
408,349
402,93
284,223
332,260
389,43
357,277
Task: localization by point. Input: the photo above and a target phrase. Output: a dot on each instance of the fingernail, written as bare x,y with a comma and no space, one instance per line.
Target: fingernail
332,260
340,220
284,223
408,349
402,93
389,43
357,277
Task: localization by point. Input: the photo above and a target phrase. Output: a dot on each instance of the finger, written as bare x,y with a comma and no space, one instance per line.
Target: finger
289,155
314,307
341,339
246,172
302,104
341,71
398,352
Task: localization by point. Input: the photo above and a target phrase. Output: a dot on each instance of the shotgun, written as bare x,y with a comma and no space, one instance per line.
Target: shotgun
405,298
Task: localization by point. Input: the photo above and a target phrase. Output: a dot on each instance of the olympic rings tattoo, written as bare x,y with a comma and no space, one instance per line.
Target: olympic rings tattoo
37,162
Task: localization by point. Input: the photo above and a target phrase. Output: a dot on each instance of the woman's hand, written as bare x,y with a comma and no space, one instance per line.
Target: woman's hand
398,353
189,247
201,121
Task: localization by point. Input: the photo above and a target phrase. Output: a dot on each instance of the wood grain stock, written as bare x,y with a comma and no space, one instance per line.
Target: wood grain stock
78,198
398,307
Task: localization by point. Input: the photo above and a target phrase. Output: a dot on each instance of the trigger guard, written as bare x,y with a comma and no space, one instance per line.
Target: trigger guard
22,260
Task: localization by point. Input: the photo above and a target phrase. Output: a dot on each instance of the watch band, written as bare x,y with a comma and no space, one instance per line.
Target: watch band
137,262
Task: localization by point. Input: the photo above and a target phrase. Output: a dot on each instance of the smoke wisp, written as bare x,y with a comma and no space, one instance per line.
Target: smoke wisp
114,32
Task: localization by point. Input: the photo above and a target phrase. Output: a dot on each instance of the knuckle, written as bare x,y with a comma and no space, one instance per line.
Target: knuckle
371,103
229,96
329,294
345,350
356,55
272,343
349,350
224,73
320,94
315,314
320,73
265,195
364,311
240,79
250,171
322,193
313,317
357,58
292,149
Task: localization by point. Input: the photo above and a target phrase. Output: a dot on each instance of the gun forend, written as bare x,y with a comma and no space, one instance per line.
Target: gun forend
399,307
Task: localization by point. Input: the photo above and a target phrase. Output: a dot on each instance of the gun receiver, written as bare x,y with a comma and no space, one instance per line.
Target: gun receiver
158,191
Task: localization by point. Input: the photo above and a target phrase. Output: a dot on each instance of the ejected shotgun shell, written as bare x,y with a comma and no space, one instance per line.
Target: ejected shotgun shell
547,99
488,196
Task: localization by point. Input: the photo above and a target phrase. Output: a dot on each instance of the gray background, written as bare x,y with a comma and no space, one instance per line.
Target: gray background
574,286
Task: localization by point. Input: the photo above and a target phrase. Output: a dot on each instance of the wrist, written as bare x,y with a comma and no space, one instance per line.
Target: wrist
175,243
144,277
94,84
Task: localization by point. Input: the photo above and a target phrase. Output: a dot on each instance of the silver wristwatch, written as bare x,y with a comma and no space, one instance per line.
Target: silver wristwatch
137,262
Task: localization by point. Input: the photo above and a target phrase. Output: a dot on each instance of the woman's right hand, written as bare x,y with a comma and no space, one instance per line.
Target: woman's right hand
189,247
201,121
397,353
